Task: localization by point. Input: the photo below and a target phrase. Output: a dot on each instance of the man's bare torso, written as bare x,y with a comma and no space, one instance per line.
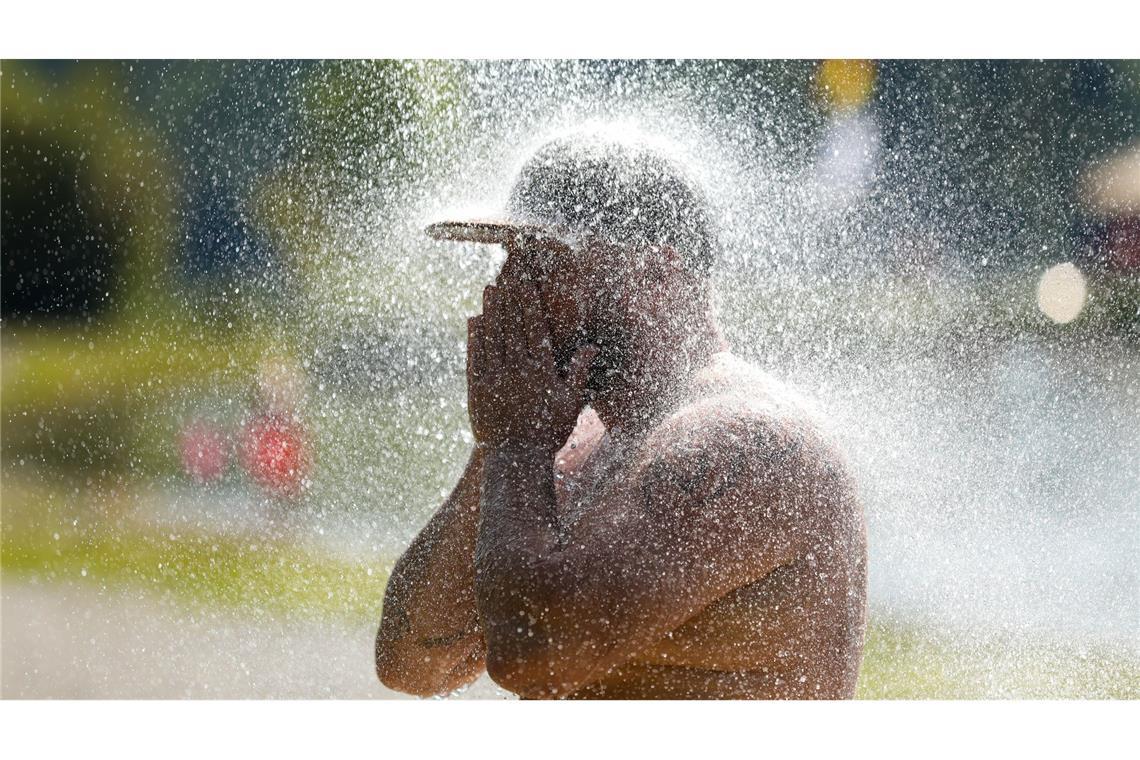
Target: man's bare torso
796,633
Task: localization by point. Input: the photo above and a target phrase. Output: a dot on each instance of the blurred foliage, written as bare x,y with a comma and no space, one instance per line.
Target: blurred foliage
362,125
262,575
97,390
389,115
123,178
109,403
996,147
911,662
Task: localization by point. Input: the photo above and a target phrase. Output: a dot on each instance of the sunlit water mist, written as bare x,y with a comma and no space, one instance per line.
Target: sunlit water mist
998,468
994,440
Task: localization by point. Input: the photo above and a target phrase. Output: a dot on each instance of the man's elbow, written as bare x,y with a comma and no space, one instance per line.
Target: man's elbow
392,668
398,681
412,671
530,667
530,678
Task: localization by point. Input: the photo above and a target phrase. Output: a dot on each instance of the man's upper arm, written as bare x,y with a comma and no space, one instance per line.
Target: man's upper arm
711,506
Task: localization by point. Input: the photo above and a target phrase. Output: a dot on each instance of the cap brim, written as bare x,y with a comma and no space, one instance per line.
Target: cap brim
494,232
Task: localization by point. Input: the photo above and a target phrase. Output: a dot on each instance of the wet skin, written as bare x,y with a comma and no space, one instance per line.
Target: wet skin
708,543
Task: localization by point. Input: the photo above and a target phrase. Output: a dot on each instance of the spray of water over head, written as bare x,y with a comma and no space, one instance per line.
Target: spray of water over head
623,204
597,185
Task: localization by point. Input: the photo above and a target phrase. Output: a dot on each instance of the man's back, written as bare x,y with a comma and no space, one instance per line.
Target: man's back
798,631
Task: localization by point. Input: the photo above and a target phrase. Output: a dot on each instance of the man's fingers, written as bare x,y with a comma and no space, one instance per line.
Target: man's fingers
513,271
473,326
492,328
474,348
488,308
536,333
490,317
515,352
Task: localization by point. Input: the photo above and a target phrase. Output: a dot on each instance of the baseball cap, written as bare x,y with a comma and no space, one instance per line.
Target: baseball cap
592,186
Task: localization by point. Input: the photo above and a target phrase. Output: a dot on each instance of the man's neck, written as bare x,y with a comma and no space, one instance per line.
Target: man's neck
662,365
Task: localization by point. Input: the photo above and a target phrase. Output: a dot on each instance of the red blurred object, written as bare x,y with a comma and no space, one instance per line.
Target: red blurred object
203,450
274,453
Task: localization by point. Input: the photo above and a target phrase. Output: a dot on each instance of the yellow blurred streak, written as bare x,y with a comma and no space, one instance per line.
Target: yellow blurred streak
109,401
845,83
46,369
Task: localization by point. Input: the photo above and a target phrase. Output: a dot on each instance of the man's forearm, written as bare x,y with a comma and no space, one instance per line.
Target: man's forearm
518,517
516,562
429,622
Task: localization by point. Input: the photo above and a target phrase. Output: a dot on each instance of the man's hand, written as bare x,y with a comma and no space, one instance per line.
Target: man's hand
515,393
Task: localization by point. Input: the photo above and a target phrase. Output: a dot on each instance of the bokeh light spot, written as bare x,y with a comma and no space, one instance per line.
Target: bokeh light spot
1061,292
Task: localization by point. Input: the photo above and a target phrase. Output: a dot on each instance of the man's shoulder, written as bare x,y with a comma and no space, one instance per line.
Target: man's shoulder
737,401
750,455
745,423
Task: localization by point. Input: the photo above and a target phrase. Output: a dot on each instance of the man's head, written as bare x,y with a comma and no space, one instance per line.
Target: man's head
593,187
617,235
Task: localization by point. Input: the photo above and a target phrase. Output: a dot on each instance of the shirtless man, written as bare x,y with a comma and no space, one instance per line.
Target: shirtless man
643,515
